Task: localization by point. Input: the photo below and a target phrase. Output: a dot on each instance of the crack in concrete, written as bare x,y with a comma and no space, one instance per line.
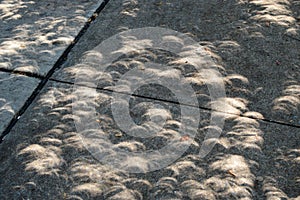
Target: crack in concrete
45,79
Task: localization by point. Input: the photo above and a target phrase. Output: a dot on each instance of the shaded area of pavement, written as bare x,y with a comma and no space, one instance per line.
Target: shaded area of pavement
12,88
255,46
34,35
43,156
253,54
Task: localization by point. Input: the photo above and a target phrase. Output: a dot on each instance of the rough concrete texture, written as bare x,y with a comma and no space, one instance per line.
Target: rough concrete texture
43,156
15,90
35,33
255,44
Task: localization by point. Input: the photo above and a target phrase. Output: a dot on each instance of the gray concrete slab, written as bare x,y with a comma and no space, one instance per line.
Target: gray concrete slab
73,139
34,34
254,45
15,90
44,158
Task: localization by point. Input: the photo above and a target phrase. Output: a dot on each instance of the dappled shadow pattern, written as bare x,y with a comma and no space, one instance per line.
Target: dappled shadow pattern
241,164
54,151
51,160
288,105
277,12
35,33
285,14
281,174
250,40
13,96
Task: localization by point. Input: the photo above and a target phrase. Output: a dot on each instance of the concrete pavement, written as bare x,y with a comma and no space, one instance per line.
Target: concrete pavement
54,150
33,37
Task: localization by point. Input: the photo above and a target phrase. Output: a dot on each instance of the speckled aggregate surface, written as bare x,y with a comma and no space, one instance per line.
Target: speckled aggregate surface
255,47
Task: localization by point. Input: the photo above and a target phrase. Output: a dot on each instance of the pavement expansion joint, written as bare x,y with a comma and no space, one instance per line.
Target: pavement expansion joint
174,102
46,78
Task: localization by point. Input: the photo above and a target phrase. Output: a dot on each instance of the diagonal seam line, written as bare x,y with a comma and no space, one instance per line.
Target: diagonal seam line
46,78
28,74
177,103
